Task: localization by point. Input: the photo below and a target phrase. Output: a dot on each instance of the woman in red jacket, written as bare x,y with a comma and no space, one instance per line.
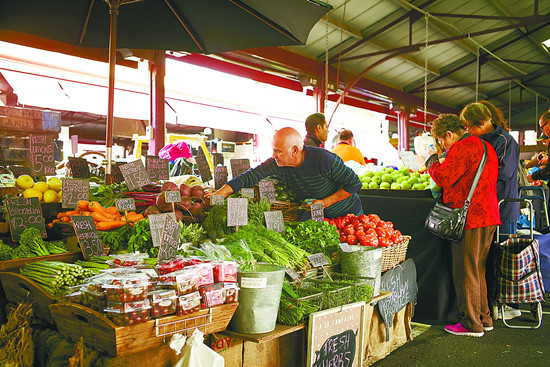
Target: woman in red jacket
455,176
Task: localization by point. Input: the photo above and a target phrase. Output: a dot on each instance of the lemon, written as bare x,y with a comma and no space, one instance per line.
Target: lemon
55,184
41,186
50,196
24,182
32,193
59,194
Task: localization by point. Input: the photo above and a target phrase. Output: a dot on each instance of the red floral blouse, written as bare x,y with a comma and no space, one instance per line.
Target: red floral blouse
456,175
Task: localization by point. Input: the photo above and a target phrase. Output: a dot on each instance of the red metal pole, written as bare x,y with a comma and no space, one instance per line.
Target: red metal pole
157,120
113,10
403,129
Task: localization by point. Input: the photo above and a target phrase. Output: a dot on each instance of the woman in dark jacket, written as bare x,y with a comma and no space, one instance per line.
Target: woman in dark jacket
455,176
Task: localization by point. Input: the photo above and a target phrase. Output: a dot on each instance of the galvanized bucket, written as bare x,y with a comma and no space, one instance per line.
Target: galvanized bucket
259,297
365,261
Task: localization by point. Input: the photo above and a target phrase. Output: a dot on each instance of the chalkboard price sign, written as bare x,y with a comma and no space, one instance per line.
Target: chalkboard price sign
216,200
73,191
172,196
20,170
156,224
125,204
317,260
134,174
248,192
220,176
41,151
336,336
116,175
274,221
267,190
157,168
87,235
401,281
2,158
317,212
204,168
24,213
79,167
239,166
170,239
237,212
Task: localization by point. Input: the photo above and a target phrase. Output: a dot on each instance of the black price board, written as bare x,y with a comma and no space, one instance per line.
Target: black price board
172,196
73,191
87,235
317,212
116,175
134,174
157,168
20,170
239,166
41,154
401,281
125,204
216,200
2,158
248,192
336,336
170,239
220,176
156,224
237,212
204,168
79,167
24,213
267,190
317,260
274,221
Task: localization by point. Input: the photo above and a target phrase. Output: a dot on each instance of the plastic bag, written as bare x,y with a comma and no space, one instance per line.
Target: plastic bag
197,354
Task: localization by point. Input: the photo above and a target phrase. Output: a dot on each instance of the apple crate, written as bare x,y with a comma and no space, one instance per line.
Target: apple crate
76,321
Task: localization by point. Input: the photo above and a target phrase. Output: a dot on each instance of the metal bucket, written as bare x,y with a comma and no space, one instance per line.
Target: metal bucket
259,297
364,261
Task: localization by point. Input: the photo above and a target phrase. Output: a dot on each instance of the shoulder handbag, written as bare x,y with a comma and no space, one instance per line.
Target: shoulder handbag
448,223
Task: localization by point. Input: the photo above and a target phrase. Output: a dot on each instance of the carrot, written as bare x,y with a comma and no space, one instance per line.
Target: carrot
99,217
86,213
61,215
72,212
104,226
82,204
112,210
94,206
50,224
55,220
65,219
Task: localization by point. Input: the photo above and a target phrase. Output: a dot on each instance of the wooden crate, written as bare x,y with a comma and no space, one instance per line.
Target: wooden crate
75,321
15,265
18,288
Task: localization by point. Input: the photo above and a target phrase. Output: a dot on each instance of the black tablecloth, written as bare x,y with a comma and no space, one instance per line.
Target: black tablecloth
436,295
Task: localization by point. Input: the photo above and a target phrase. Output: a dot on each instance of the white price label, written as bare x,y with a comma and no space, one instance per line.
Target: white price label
317,260
253,282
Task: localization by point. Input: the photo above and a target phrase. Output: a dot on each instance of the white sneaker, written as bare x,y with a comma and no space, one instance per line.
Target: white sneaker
509,313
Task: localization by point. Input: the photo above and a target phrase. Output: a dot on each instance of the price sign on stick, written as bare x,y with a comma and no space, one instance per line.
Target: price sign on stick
237,212
317,212
267,190
125,204
216,200
156,224
170,239
345,247
79,167
292,273
204,168
157,168
134,174
239,166
220,176
24,213
274,221
248,192
41,151
74,190
87,235
317,260
172,196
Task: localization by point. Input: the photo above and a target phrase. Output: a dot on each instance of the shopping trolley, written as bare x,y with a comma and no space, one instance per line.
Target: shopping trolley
517,272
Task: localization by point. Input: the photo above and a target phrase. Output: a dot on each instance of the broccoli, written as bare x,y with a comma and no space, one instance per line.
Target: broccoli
31,238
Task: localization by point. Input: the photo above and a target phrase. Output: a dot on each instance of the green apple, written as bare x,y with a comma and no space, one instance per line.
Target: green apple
418,186
365,185
377,179
405,185
373,185
412,180
395,186
402,179
387,178
404,171
368,174
385,185
415,174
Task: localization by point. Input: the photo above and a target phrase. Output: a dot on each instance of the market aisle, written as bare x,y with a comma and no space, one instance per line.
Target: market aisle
501,347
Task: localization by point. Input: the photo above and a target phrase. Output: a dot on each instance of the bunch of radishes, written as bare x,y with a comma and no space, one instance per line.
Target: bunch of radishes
190,209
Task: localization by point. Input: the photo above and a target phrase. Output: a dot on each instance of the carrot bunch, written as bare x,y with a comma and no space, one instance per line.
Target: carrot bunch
104,218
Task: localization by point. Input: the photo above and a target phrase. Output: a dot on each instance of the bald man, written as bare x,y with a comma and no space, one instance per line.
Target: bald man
310,172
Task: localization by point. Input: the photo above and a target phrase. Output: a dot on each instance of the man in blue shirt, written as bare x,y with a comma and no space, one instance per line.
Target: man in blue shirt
310,172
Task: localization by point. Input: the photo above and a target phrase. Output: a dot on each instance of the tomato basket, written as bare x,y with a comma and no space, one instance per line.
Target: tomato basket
395,254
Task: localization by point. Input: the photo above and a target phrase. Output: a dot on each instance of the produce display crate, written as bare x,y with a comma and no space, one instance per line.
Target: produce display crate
76,321
291,211
362,287
334,293
18,288
395,254
313,299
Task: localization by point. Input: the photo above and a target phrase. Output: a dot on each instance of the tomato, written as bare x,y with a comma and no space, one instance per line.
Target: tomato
359,232
331,222
381,224
355,221
381,233
359,226
343,238
384,242
363,240
363,218
370,225
372,241
351,240
345,221
389,225
349,230
326,220
371,232
339,223
374,218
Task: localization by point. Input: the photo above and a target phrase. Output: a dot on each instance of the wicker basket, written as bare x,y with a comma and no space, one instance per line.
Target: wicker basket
291,211
395,255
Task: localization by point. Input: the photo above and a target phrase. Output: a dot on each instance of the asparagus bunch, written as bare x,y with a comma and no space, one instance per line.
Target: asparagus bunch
56,277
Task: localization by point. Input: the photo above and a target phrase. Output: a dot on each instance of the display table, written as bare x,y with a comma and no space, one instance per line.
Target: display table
432,255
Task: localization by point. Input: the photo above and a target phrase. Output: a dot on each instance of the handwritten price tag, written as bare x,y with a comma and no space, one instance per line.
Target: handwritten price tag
237,212
345,247
74,190
87,235
125,204
292,273
216,200
317,260
274,221
172,196
317,212
248,192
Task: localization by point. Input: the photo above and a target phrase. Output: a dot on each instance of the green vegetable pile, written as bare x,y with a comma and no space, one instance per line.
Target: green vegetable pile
282,193
334,293
5,251
31,245
296,305
192,232
116,239
107,194
31,238
313,237
141,240
56,277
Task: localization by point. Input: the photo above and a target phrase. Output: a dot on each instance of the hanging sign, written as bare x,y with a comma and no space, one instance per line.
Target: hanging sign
239,166
73,191
237,212
134,174
220,176
274,221
20,170
170,239
204,168
267,190
79,167
87,235
157,168
41,151
409,160
24,213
